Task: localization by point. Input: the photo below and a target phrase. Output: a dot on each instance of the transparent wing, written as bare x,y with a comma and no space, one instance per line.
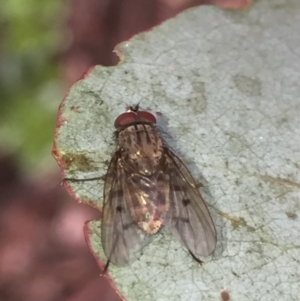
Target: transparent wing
188,215
122,238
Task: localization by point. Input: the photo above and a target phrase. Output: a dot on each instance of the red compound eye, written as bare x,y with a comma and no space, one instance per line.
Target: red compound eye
146,116
125,118
132,116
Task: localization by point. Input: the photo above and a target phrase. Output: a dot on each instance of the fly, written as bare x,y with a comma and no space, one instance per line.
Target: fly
146,188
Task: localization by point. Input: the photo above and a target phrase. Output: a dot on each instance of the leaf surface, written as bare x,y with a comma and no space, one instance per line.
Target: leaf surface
227,84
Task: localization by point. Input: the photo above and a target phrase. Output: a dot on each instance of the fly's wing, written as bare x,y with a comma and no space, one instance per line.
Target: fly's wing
188,215
121,237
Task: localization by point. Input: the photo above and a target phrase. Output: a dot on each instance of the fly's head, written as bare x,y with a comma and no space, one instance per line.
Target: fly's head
134,115
138,141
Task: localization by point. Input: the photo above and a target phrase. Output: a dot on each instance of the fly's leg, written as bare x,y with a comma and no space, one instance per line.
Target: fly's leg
83,180
195,258
105,268
199,185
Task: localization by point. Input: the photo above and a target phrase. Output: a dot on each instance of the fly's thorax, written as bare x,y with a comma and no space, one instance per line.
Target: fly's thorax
141,147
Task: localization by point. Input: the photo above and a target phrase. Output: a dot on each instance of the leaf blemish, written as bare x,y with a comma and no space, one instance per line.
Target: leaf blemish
236,222
248,86
291,215
80,162
75,109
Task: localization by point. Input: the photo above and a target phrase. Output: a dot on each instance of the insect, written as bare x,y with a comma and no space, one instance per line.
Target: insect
146,188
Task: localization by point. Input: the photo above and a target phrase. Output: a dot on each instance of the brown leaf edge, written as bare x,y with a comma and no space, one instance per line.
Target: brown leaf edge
60,121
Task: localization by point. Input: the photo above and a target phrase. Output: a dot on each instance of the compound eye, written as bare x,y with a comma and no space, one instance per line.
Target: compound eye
146,116
125,118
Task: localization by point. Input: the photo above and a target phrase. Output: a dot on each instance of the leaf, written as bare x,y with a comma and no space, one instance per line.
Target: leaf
228,85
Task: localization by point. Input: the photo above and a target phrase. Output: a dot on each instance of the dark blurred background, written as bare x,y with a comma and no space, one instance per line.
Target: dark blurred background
45,46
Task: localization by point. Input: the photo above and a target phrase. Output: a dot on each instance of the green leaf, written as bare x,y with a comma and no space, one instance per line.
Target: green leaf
228,85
